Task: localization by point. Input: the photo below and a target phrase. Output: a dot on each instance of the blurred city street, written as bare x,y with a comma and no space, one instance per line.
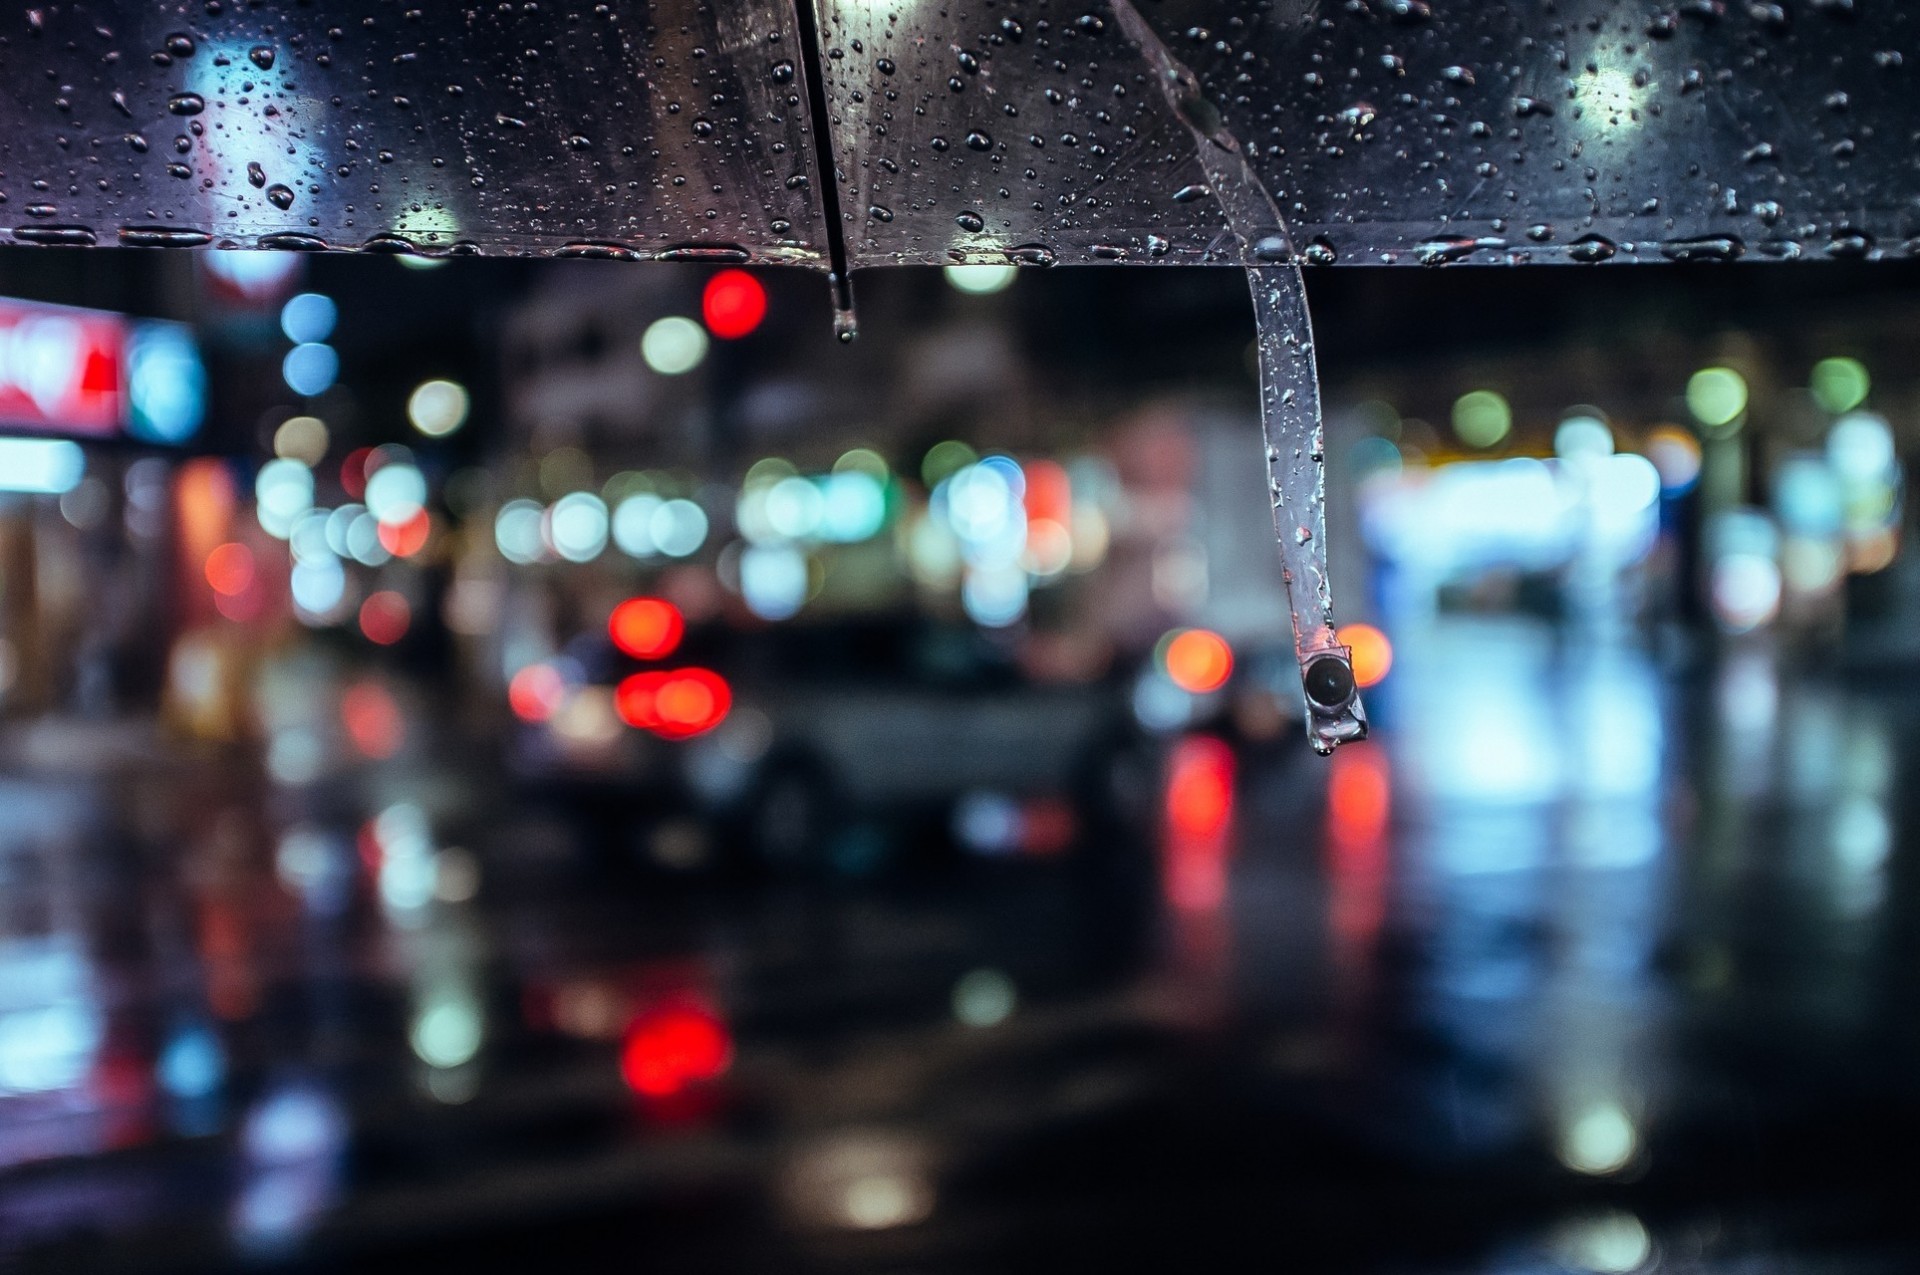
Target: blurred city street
532,762
1590,958
959,639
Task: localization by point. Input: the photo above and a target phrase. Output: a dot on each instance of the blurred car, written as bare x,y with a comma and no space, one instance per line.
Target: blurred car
1196,680
831,746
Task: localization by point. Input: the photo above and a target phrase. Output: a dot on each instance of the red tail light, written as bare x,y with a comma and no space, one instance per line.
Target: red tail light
674,1046
676,705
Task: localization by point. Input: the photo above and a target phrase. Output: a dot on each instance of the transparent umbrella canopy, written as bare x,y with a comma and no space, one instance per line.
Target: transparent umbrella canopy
866,132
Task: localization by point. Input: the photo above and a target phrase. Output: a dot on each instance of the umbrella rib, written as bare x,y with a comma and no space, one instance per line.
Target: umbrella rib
823,154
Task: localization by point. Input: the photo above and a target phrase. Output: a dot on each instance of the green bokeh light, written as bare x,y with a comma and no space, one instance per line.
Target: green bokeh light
943,459
1840,385
1716,396
1482,418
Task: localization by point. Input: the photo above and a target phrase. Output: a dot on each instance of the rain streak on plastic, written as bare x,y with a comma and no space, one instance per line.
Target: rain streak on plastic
1289,394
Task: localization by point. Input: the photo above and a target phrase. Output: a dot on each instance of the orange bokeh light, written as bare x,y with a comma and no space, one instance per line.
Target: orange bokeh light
692,702
733,304
646,628
230,569
1372,652
385,617
1199,660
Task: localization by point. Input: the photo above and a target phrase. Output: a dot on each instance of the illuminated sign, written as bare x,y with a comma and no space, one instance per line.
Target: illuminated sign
95,374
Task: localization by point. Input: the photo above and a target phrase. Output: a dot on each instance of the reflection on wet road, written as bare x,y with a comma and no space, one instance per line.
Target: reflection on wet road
1589,960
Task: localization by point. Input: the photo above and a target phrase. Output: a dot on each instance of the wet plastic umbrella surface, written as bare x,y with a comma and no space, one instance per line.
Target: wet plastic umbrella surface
1388,130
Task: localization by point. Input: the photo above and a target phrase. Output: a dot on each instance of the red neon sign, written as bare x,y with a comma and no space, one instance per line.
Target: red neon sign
62,370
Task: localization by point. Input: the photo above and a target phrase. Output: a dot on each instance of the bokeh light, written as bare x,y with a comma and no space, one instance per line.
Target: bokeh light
308,317
404,539
1372,652
536,692
733,304
673,345
1198,661
1840,384
577,526
674,1046
438,407
396,492
310,369
302,438
1716,396
981,280
372,720
1482,418
646,628
385,617
230,570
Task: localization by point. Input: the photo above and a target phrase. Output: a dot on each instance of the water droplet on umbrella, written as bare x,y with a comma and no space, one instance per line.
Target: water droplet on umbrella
1592,249
163,237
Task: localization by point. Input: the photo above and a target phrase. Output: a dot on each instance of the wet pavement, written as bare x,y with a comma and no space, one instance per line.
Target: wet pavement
1594,959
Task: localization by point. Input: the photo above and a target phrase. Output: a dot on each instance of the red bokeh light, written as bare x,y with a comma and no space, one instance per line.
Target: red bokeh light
372,720
404,539
1359,796
1200,787
1199,660
634,699
733,304
646,628
676,705
353,472
230,569
1359,817
1048,826
535,693
385,617
1049,495
1199,827
673,1046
